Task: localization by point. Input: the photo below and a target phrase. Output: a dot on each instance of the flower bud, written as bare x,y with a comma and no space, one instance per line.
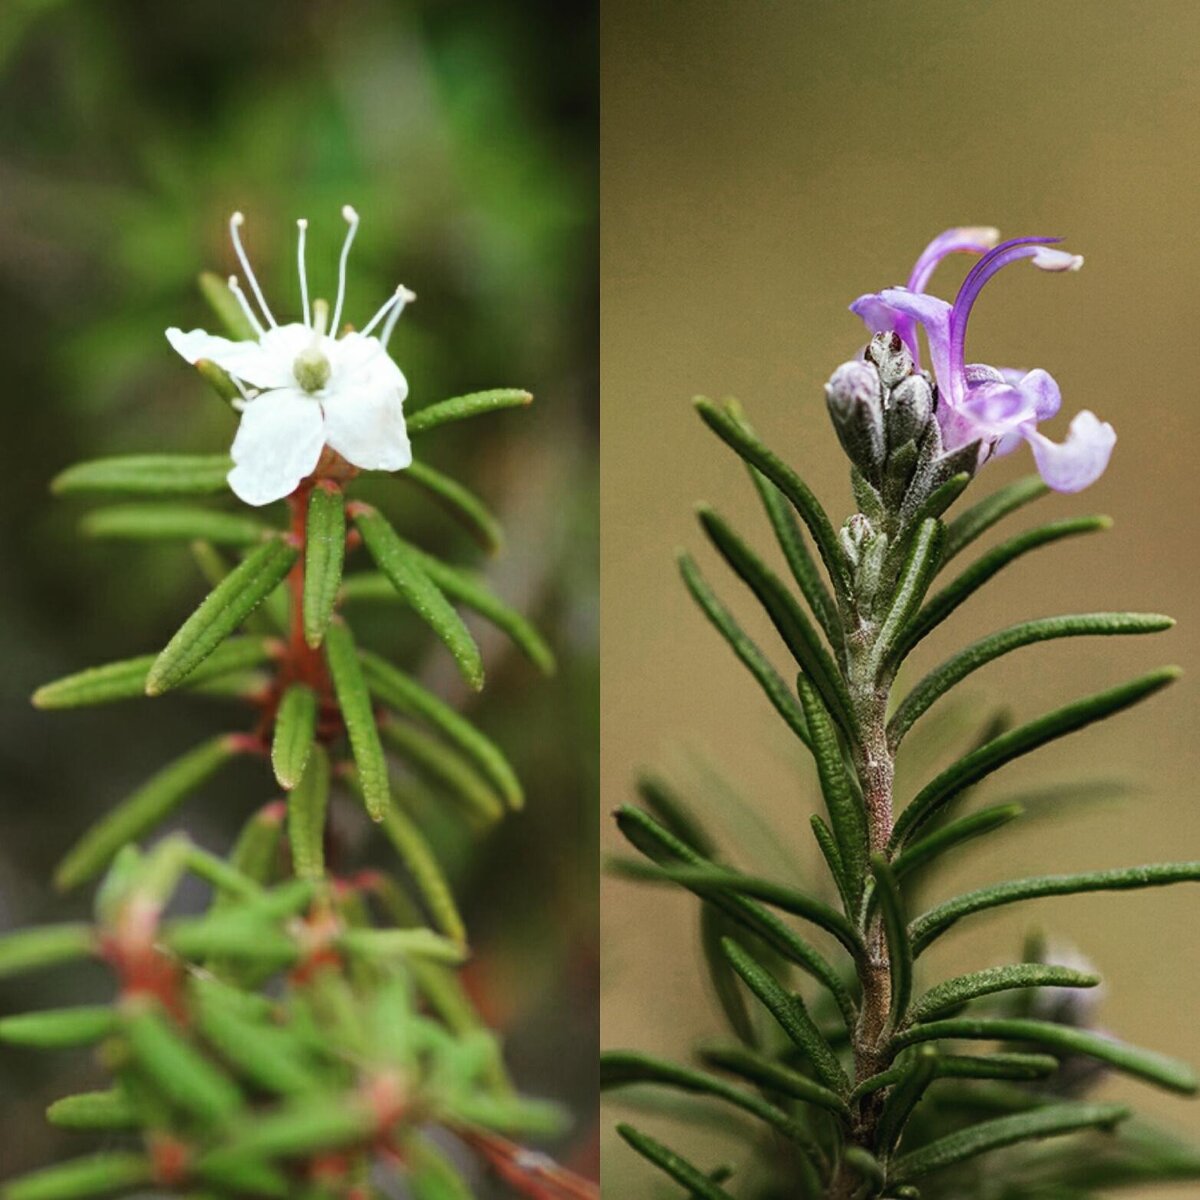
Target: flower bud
889,353
910,407
856,408
854,535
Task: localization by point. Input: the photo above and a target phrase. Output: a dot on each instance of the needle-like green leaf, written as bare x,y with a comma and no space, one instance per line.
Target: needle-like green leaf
146,808
1051,1121
44,946
174,522
921,853
295,731
400,563
442,766
221,612
920,566
954,670
425,872
95,1175
1023,740
750,655
460,502
379,944
126,680
148,475
791,1015
1144,1064
946,601
900,952
59,1027
307,804
773,1076
359,719
938,920
324,552
964,988
786,615
459,408
979,518
915,1075
698,1185
94,1112
399,691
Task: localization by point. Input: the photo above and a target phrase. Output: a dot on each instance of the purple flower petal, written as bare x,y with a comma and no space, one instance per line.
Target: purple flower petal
1080,460
935,315
964,239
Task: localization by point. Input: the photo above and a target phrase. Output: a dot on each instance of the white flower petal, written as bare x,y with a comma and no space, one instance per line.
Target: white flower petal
364,361
251,362
278,443
366,427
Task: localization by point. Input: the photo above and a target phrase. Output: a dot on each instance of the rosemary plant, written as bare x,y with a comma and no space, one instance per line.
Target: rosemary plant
305,1033
876,1082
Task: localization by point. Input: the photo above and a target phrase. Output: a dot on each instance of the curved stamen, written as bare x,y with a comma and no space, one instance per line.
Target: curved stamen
302,225
235,288
351,218
400,296
964,239
996,260
235,223
405,297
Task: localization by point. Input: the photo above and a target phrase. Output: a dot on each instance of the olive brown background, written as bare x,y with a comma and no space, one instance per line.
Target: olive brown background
761,165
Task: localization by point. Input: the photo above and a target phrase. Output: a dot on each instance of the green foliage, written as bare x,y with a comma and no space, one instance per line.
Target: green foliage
864,1075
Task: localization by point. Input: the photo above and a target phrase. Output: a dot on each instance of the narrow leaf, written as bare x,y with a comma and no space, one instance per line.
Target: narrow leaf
256,852
773,1076
952,672
964,988
148,475
295,731
675,1165
324,552
828,846
1051,1121
398,561
938,920
94,1111
900,952
221,612
731,996
301,1128
44,946
307,804
921,853
402,943
1003,749
403,693
751,656
126,680
148,807
786,615
847,820
1144,1064
734,434
59,1027
425,871
979,518
96,1175
941,605
917,1073
460,502
791,1015
359,718
442,766
920,566
459,408
167,522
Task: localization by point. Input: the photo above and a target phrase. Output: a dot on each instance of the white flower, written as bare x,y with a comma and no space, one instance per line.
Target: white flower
305,388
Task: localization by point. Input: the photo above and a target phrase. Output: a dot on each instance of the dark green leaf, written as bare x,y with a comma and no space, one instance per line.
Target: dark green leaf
900,953
916,1074
324,552
459,502
959,990
921,853
400,563
1003,749
148,475
425,871
774,1077
979,518
935,922
674,1165
942,678
920,566
443,766
221,612
307,805
461,407
295,730
164,522
1050,1121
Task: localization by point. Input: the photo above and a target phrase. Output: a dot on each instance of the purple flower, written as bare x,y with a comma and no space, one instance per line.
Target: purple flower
997,408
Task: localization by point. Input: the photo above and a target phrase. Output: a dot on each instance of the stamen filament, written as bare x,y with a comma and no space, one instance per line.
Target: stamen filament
403,298
400,296
235,223
351,218
302,225
235,288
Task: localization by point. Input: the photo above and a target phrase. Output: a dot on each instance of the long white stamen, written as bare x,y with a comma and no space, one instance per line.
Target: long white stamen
241,299
235,223
403,298
351,218
400,296
302,225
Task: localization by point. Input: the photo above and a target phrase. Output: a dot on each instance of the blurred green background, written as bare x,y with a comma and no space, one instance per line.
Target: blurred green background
761,165
465,134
